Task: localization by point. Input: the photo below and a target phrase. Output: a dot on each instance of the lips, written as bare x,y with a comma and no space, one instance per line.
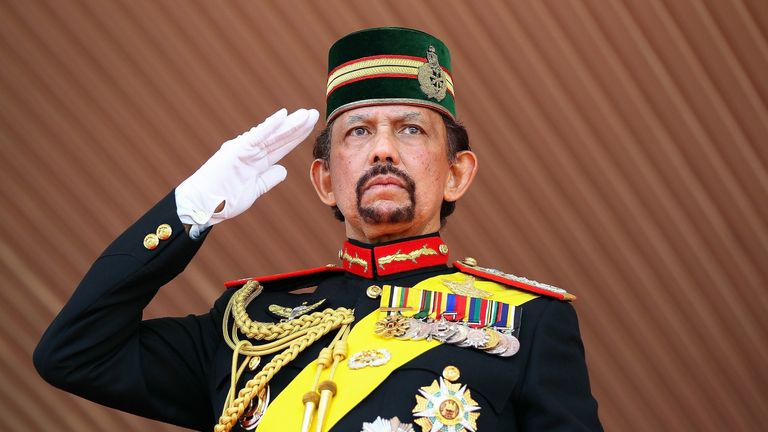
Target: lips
384,176
384,181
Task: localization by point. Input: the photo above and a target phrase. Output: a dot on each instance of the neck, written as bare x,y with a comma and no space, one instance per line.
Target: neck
383,233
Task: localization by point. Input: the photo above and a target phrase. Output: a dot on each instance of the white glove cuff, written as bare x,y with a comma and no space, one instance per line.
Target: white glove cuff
194,209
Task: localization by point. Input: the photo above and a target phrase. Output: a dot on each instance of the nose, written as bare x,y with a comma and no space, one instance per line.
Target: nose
385,148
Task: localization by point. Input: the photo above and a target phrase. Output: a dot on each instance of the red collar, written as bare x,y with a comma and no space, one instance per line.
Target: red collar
371,261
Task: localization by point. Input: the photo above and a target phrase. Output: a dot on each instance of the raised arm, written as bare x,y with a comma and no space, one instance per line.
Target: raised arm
99,348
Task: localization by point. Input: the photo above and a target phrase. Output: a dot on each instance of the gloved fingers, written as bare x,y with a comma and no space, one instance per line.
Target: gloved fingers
257,143
257,134
291,133
289,141
286,125
271,178
296,126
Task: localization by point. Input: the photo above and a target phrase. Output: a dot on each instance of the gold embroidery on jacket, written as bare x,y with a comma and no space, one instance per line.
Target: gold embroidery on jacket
411,256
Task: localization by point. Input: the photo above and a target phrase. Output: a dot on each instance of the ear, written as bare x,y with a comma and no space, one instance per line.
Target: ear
320,175
460,175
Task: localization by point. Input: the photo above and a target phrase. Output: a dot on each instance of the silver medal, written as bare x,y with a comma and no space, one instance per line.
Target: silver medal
514,345
442,330
459,335
413,326
475,339
423,331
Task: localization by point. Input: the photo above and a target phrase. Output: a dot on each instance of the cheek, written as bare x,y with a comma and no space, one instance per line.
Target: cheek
344,178
432,172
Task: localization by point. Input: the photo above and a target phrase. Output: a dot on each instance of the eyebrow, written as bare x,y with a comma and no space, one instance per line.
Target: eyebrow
413,115
408,116
354,118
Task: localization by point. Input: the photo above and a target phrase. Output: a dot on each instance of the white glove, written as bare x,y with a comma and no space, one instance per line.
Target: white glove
242,170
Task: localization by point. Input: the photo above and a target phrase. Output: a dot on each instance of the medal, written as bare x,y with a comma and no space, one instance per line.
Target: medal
467,322
514,345
443,330
475,339
501,347
459,335
446,407
392,326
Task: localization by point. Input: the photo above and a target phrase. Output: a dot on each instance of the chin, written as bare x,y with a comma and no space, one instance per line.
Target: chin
387,214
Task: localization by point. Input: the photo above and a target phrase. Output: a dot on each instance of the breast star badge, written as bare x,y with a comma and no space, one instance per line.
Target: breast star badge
445,407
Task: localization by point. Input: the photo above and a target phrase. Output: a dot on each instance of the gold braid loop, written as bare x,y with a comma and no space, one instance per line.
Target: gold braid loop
267,331
293,336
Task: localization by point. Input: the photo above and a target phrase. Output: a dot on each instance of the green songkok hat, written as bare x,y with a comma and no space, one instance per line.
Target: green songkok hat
389,65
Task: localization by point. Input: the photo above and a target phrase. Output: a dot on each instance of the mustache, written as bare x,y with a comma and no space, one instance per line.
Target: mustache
383,169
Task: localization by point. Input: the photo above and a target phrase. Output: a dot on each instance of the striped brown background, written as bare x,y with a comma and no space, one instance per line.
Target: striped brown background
623,156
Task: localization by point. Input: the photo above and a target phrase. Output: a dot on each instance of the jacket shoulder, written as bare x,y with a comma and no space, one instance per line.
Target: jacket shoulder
290,280
469,266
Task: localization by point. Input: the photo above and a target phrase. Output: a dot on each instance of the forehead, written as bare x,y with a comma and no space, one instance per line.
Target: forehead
389,113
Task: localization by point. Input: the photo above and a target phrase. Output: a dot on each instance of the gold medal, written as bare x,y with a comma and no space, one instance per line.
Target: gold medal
392,326
493,339
446,407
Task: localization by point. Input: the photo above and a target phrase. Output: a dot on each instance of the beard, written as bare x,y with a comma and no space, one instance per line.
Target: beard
373,215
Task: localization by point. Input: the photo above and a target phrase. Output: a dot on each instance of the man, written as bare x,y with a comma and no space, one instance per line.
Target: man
394,339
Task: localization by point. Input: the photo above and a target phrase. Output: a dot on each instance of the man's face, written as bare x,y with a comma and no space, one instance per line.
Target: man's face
388,170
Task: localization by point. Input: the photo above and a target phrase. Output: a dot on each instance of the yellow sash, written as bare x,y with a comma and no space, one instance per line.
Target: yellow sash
286,411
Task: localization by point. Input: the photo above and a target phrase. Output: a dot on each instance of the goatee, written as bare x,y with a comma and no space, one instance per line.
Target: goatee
372,215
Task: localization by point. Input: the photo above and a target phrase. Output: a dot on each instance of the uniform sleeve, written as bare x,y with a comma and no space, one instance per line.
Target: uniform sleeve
99,348
555,394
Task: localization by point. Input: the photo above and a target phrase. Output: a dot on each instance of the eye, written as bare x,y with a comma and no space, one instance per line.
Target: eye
358,131
412,130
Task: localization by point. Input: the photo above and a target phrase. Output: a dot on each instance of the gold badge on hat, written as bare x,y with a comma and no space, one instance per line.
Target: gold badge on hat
430,75
446,407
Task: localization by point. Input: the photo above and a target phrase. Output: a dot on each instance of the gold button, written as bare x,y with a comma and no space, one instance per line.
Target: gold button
341,254
151,241
443,249
164,232
469,261
451,373
373,291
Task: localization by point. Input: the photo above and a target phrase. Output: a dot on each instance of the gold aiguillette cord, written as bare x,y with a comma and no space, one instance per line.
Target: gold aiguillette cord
322,392
288,338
